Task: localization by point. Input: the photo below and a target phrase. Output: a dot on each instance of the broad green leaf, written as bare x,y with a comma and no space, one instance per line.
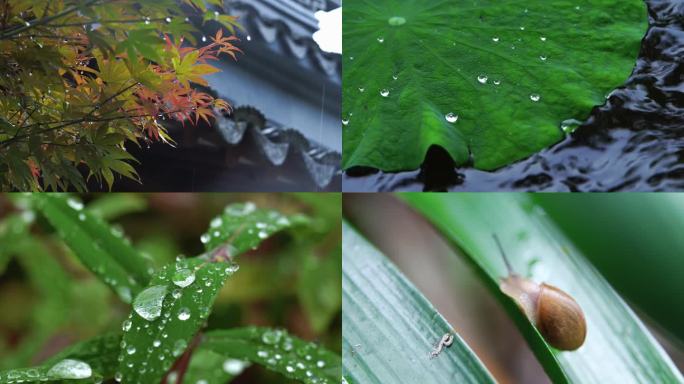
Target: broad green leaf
167,315
209,367
635,241
101,248
278,351
490,81
616,338
243,226
389,329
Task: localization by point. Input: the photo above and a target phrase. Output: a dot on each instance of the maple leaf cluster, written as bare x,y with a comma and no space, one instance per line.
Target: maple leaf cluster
177,99
80,81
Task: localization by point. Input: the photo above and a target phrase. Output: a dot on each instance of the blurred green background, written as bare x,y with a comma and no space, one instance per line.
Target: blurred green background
49,301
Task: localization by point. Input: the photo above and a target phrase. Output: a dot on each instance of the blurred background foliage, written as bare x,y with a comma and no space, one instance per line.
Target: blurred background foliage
633,240
51,301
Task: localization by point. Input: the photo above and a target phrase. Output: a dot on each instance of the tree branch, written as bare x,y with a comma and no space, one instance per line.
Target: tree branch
15,31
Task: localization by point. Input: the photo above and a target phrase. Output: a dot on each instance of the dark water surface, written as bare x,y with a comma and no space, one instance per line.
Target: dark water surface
634,142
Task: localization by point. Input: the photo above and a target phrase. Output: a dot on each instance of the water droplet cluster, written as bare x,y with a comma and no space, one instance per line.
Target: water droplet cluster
242,227
292,357
166,315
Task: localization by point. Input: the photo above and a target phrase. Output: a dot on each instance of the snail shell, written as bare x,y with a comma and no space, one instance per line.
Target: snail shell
556,314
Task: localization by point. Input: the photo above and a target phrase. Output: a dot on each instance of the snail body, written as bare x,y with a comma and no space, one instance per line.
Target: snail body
555,314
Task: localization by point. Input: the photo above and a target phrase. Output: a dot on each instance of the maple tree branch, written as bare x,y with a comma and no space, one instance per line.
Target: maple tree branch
44,21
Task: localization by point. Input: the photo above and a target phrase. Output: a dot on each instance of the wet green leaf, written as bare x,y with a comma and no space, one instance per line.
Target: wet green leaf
616,338
389,329
490,81
209,367
244,226
179,298
99,247
100,353
167,315
278,351
113,205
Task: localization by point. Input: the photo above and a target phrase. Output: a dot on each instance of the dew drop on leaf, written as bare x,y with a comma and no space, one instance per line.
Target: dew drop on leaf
179,347
148,304
183,277
535,97
234,367
271,337
75,204
451,117
183,314
232,268
384,93
126,325
482,79
70,369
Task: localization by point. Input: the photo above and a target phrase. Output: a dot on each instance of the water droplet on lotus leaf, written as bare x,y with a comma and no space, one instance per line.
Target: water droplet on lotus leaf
70,369
396,21
148,304
451,117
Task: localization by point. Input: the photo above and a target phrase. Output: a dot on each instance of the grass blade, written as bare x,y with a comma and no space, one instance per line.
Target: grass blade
102,250
616,338
278,351
390,329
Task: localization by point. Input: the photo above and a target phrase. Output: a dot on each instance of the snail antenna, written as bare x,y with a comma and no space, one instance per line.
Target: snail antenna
503,254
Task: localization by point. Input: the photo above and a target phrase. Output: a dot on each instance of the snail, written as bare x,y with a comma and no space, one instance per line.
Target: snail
553,312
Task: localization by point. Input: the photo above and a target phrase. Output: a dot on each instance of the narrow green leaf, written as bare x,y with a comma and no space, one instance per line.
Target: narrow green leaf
244,227
102,249
69,370
209,367
100,353
113,205
616,338
178,300
278,351
389,329
635,240
166,316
